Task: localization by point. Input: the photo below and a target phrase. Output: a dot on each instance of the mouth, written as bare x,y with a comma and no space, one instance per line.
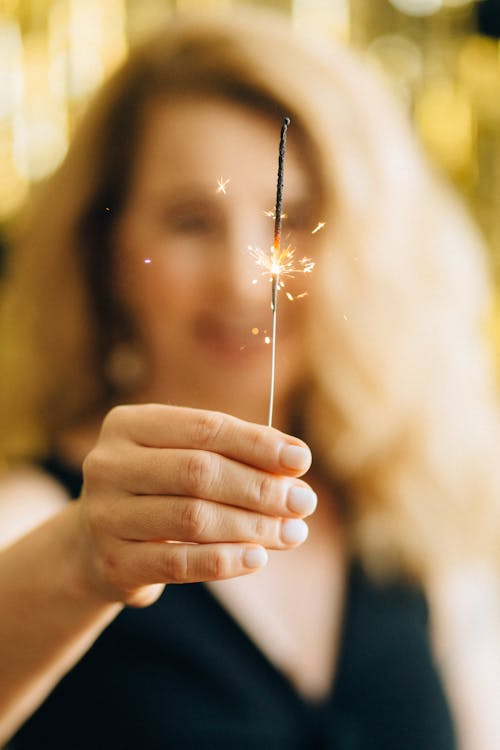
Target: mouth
233,340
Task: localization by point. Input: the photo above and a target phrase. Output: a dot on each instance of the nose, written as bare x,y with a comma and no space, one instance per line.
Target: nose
238,275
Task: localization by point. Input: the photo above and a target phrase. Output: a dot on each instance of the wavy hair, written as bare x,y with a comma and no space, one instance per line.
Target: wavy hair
401,409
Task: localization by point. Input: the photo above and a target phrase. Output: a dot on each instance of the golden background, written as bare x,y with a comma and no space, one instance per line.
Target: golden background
54,53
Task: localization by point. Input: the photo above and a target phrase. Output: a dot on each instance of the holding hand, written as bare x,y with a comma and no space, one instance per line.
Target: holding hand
222,489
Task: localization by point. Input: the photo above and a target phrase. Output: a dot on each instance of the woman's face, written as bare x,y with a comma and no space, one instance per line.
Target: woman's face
203,184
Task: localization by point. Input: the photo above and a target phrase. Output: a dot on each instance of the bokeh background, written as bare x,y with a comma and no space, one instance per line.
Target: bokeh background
440,56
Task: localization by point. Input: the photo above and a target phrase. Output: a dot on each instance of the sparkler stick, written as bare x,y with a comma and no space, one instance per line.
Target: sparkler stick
279,263
276,257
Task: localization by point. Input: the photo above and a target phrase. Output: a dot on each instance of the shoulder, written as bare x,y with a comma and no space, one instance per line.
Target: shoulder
28,496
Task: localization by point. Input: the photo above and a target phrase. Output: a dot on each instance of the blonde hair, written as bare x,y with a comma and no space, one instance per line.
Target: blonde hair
401,410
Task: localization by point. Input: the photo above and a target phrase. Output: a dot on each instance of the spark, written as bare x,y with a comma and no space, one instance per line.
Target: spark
318,226
280,263
271,215
255,331
222,185
147,260
267,340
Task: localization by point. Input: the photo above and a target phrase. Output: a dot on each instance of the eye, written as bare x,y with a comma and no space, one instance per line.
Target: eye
189,220
191,223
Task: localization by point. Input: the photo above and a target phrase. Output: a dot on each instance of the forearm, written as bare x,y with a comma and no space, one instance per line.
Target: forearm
50,617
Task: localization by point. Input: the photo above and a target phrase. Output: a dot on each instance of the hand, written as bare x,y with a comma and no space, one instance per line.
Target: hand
176,495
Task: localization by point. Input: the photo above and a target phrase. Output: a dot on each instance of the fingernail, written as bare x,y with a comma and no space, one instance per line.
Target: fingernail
255,557
294,531
295,457
301,500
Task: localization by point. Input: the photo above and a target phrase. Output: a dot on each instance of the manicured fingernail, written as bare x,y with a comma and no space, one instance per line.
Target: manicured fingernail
255,557
301,500
295,457
294,531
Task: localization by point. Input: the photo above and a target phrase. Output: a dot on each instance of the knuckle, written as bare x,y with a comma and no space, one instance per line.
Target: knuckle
96,519
95,466
103,467
207,428
177,565
110,565
217,565
266,490
260,442
116,417
194,520
261,527
201,473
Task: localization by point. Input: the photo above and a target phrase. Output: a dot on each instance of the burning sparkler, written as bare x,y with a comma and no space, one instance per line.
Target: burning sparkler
278,263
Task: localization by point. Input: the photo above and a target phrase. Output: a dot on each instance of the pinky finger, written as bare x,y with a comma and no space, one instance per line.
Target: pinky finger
167,562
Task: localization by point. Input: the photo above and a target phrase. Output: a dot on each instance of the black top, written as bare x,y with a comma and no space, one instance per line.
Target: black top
181,674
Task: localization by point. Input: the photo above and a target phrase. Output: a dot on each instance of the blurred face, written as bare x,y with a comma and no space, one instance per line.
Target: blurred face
203,180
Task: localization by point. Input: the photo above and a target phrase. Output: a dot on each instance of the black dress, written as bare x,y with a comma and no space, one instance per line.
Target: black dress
182,674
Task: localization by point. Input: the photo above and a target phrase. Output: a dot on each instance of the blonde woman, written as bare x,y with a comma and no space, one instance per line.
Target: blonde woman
133,346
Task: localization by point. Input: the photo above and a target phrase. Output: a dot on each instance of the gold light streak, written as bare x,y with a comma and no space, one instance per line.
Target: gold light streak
318,226
271,215
222,185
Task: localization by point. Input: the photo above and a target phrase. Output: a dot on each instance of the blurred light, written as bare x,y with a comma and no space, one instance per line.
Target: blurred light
400,60
446,124
458,3
13,187
417,7
329,17
479,70
11,70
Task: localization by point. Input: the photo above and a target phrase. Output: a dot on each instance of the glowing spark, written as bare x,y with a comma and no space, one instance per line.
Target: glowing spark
267,340
255,331
280,263
272,215
222,185
147,260
319,226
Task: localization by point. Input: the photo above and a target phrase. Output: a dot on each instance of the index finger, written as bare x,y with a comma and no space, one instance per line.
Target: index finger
163,426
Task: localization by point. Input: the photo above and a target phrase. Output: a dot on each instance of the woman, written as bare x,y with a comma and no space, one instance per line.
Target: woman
136,252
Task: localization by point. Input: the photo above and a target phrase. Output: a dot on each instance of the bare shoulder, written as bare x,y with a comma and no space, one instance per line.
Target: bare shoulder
28,496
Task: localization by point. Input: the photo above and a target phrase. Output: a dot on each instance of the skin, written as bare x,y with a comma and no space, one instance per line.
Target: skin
195,301
218,485
156,473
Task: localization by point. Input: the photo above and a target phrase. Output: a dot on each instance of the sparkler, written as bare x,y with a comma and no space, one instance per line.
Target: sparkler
279,262
277,259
